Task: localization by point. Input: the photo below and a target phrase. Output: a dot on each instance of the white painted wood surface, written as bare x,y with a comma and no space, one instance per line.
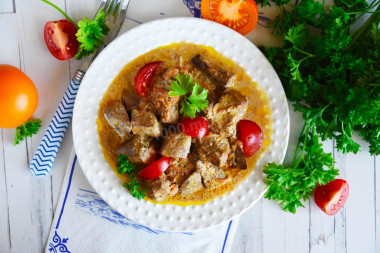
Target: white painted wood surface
27,203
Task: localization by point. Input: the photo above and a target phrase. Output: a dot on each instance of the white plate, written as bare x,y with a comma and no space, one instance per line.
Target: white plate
107,66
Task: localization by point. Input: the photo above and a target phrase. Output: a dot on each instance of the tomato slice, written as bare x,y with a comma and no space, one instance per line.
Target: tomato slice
60,39
240,15
332,196
155,169
144,78
250,134
197,127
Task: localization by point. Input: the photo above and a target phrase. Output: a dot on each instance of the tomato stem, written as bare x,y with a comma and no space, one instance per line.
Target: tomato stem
61,11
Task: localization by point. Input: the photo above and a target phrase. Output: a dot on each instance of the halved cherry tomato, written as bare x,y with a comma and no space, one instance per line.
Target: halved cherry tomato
332,196
144,78
155,169
197,127
240,15
60,39
18,97
249,133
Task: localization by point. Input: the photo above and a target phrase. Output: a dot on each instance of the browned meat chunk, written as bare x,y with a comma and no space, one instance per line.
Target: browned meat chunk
145,123
167,106
224,78
160,188
140,150
117,118
179,170
213,149
226,114
192,184
176,145
237,158
130,100
212,176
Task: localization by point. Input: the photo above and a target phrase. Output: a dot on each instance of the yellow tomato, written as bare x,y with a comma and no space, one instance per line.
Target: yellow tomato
18,97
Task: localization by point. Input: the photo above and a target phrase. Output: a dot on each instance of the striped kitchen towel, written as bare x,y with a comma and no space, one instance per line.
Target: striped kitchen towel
83,223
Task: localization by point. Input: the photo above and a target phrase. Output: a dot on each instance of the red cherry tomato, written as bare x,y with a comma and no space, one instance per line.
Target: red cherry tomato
240,15
144,78
155,169
332,196
249,133
197,127
60,39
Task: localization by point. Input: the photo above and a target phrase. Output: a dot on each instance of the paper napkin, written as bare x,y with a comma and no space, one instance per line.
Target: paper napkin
83,223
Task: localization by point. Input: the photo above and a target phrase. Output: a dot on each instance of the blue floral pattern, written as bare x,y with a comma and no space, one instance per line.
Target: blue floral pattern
58,244
194,7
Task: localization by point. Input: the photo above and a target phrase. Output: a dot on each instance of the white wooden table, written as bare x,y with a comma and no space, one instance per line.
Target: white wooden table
27,203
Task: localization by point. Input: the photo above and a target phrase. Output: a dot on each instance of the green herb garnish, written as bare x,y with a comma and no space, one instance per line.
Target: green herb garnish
332,76
124,166
27,129
194,96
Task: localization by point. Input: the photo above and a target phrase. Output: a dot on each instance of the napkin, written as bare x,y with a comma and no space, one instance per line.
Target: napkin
83,222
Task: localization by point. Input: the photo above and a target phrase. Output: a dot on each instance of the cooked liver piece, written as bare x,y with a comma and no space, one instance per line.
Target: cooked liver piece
212,176
167,106
176,145
236,158
224,78
179,170
140,149
225,115
117,118
192,184
160,187
213,149
145,123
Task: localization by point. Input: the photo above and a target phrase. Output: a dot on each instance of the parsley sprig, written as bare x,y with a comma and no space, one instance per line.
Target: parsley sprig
27,129
194,96
332,76
124,166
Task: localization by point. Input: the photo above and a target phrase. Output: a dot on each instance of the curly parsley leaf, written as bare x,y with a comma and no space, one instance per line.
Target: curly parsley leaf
27,129
193,103
90,34
124,166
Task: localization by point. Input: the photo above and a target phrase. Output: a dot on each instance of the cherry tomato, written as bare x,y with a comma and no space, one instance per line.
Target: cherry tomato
155,169
60,39
240,15
144,78
332,196
197,127
249,133
18,97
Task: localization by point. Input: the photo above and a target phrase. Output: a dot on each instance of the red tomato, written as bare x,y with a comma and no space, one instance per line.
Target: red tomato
155,169
197,127
60,39
240,15
18,97
144,78
332,196
249,133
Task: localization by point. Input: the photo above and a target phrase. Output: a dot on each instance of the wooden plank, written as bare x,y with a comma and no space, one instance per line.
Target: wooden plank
8,25
360,206
7,6
321,225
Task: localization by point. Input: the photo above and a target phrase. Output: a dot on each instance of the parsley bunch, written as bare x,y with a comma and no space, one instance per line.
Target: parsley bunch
124,166
27,129
194,96
332,76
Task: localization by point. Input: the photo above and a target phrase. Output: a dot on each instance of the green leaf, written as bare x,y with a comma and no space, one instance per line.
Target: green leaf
27,129
182,86
124,165
133,187
297,35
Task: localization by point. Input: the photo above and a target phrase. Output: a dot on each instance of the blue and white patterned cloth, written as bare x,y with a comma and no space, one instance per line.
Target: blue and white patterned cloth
84,223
